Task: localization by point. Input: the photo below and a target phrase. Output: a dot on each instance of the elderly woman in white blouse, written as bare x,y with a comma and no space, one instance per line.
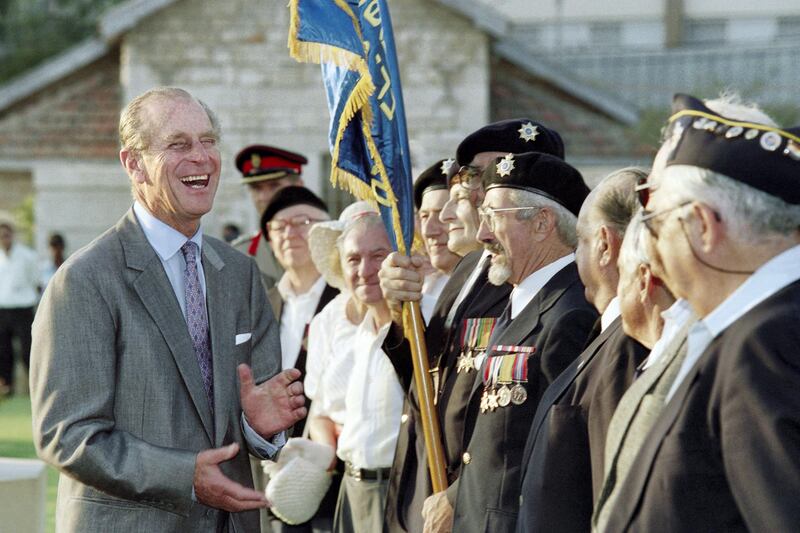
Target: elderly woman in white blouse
357,400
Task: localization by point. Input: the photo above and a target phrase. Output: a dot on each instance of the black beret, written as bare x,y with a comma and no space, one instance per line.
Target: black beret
287,197
760,156
433,178
517,136
260,162
539,173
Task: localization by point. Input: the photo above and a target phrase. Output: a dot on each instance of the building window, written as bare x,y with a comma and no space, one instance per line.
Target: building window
789,28
605,34
705,31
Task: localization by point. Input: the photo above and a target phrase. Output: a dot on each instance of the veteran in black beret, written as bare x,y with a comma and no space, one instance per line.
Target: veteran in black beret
722,211
462,322
528,220
266,170
296,298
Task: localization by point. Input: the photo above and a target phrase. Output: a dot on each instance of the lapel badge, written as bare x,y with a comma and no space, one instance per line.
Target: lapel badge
751,134
505,166
770,141
446,164
528,132
792,150
735,131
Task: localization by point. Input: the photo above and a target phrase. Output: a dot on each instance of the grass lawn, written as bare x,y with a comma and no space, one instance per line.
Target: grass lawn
15,441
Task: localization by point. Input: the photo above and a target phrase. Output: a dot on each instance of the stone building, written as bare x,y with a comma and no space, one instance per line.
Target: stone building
459,71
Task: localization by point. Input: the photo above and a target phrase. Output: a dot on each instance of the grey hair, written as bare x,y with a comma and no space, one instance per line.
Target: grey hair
367,220
752,216
633,252
730,105
615,199
565,220
134,133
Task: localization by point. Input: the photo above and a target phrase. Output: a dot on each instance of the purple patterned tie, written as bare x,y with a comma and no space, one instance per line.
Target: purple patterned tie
197,319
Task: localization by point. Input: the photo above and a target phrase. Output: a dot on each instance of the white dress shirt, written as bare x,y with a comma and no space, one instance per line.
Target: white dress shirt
431,289
523,293
374,402
19,277
167,243
329,362
610,314
296,314
777,273
675,318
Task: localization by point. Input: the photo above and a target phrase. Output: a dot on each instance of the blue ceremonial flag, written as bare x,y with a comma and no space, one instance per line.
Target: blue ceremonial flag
353,41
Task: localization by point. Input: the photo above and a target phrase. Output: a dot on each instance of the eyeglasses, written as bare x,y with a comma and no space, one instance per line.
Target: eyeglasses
487,215
466,176
642,191
646,217
299,221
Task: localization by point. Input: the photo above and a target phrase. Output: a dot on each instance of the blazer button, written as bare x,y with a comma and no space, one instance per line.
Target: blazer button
404,418
467,458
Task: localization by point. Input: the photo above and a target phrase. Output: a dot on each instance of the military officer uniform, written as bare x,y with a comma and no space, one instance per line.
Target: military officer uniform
259,163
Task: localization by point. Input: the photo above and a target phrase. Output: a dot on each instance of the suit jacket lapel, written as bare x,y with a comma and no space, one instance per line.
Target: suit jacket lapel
562,383
634,484
642,385
223,328
276,302
158,297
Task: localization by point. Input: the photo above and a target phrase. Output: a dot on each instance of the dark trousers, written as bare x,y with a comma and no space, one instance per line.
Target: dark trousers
14,322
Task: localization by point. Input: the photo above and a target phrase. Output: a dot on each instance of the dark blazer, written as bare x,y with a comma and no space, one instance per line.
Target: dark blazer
557,322
725,453
563,459
410,480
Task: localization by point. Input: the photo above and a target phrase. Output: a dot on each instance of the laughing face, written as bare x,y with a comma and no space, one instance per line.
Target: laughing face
177,175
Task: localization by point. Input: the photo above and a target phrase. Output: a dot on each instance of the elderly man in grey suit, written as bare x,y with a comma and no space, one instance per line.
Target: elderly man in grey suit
137,342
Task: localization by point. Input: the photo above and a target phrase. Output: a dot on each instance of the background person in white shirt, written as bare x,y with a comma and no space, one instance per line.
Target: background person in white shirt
373,400
18,294
298,296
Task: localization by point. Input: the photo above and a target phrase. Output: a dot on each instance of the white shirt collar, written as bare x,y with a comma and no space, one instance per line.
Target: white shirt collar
287,292
610,314
523,293
771,277
164,239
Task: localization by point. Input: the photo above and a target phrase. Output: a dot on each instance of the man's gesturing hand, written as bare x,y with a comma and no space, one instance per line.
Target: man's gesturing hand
213,488
274,405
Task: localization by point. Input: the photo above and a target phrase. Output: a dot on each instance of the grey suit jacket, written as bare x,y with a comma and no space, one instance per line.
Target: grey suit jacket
117,398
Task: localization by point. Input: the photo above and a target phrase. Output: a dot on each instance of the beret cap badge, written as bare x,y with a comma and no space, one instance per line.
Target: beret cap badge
528,132
446,164
506,165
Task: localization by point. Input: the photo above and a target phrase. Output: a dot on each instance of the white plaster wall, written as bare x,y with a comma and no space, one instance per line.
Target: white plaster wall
78,199
233,55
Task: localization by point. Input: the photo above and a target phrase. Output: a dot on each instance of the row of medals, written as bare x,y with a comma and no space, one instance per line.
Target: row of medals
503,396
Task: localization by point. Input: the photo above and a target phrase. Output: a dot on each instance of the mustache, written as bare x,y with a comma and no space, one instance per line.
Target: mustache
494,248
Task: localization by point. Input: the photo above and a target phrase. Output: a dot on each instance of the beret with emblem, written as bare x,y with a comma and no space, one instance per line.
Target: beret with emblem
288,197
760,156
260,162
433,178
516,136
543,174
